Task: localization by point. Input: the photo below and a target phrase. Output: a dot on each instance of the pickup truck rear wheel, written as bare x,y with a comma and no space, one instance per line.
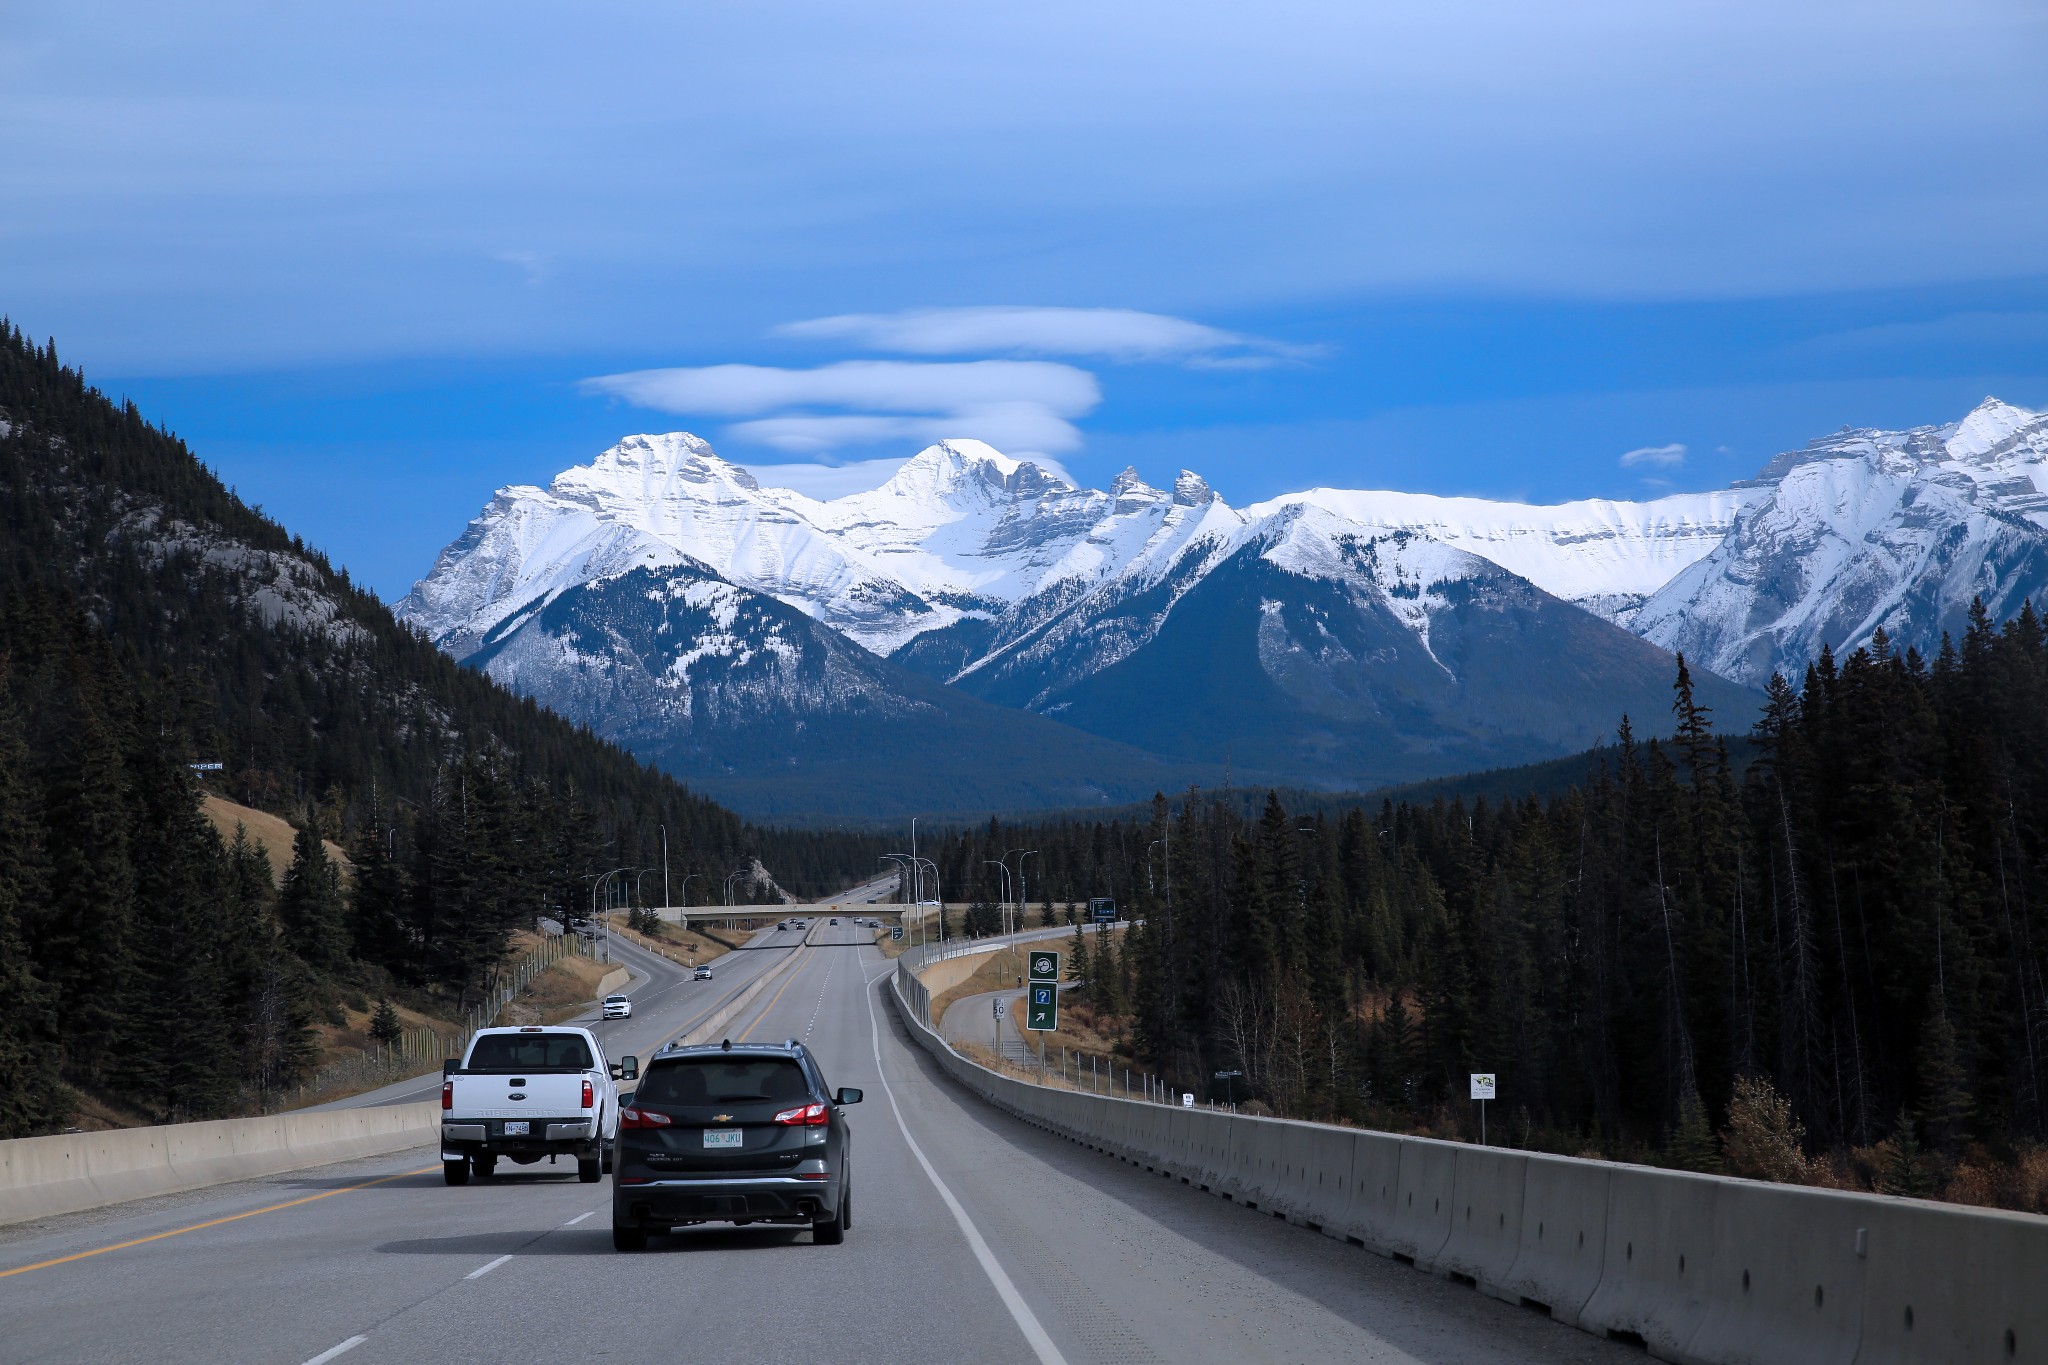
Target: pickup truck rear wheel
484,1166
590,1169
628,1237
607,1148
455,1172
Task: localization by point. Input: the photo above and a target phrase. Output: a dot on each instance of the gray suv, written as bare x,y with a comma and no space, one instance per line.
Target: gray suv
733,1135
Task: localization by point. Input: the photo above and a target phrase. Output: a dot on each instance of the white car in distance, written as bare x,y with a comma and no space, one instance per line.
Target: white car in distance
618,1007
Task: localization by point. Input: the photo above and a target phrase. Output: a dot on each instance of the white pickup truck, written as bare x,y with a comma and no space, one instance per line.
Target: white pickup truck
528,1093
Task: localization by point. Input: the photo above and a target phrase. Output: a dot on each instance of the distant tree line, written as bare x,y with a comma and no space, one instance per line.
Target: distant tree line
1855,931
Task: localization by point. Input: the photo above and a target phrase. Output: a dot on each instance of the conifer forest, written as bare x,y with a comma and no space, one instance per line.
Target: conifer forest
1838,950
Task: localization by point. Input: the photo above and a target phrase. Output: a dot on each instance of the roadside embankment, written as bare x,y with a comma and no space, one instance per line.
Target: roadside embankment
1695,1268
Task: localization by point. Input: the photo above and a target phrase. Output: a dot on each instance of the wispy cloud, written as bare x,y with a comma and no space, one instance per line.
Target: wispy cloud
1022,406
1654,457
1116,334
530,264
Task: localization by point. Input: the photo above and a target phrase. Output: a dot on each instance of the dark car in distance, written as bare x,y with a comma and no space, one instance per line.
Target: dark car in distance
730,1134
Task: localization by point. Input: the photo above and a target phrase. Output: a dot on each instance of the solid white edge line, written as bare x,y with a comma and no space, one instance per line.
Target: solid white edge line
333,1351
1027,1321
486,1268
578,1218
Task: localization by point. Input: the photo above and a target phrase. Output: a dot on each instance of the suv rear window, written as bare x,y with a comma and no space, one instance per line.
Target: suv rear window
719,1080
529,1052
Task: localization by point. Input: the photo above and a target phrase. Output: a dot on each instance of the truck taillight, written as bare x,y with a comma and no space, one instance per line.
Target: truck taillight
643,1118
807,1116
589,1096
447,1094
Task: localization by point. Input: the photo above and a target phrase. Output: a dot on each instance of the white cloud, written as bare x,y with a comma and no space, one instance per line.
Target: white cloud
1022,406
1656,457
1120,334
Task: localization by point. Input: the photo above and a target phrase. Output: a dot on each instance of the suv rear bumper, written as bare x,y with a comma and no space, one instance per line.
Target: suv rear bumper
544,1137
727,1199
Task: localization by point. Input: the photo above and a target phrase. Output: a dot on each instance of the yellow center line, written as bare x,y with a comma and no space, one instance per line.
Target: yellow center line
213,1223
763,1015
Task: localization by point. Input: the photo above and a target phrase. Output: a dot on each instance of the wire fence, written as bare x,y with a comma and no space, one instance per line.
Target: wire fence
418,1050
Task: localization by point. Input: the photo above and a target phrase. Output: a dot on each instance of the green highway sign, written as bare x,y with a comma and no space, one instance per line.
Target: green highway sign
1042,1002
1042,1009
896,932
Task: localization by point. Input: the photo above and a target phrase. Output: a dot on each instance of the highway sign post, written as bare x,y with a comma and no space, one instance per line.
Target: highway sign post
1187,1101
1229,1087
1101,909
896,932
998,1003
1482,1091
1042,1003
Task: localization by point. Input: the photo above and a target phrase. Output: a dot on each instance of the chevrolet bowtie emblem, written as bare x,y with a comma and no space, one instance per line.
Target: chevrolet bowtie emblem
721,1118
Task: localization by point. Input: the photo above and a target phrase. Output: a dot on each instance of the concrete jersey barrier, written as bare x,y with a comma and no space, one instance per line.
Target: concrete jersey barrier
1706,1270
44,1176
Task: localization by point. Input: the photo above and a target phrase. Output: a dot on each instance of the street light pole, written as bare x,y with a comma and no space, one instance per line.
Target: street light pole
991,862
665,901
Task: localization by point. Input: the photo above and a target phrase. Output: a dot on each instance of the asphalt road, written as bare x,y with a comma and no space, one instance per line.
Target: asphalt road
975,1238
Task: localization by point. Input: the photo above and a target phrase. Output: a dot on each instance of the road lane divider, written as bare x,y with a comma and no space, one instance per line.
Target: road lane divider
1035,1335
214,1222
333,1351
486,1268
66,1173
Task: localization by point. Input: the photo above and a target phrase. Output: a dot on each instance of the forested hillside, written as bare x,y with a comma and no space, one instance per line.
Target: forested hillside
1833,964
151,621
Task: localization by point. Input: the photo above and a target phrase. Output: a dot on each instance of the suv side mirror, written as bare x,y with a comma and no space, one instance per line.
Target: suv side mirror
629,1068
847,1095
618,1070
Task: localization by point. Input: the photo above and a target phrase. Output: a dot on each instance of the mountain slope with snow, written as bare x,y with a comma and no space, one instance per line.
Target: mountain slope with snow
1867,530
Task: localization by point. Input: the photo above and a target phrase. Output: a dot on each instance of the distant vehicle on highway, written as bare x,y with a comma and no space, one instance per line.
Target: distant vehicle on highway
527,1093
701,974
733,1135
835,921
617,1007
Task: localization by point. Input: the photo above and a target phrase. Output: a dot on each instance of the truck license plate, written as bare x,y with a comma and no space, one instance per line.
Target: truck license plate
721,1137
519,1129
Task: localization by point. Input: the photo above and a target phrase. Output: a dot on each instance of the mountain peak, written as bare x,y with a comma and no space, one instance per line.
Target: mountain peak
1128,487
670,455
1987,426
1192,490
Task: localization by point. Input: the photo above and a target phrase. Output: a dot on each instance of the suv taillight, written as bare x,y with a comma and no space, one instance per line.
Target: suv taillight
643,1118
806,1116
589,1096
447,1094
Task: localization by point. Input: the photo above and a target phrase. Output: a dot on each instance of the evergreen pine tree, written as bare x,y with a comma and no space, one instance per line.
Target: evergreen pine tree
1906,1171
1691,1146
310,907
384,1025
30,1099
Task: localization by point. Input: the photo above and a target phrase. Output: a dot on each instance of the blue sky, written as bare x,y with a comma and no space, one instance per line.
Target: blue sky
377,260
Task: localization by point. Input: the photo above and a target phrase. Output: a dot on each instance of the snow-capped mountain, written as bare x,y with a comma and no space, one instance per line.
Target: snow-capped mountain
672,600
1866,530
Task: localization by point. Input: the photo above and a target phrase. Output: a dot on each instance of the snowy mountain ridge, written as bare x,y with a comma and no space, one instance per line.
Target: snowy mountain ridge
672,600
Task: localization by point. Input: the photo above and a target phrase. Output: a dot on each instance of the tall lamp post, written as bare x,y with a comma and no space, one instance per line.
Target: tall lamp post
1022,854
992,862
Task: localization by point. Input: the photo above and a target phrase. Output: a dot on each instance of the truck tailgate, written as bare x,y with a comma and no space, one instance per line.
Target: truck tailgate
541,1095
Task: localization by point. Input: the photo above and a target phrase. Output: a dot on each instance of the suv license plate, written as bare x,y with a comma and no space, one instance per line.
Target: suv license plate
721,1137
520,1129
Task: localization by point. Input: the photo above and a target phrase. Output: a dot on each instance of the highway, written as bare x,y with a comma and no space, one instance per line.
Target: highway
975,1237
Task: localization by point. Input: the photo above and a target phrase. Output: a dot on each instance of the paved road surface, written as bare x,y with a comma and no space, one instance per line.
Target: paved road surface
986,1237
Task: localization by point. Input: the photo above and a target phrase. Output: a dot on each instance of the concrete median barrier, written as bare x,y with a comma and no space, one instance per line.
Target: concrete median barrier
1695,1268
41,1177
1486,1218
1563,1247
1422,1203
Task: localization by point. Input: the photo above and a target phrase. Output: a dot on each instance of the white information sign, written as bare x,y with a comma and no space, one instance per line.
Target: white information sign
1482,1085
1187,1101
